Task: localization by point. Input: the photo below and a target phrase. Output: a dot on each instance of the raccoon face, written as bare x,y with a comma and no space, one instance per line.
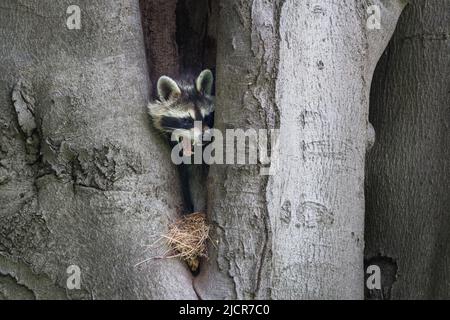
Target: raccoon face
186,108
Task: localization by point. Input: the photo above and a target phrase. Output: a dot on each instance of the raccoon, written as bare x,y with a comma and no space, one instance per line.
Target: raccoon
180,105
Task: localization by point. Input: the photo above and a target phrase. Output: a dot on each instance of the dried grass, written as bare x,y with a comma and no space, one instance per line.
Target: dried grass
187,239
188,236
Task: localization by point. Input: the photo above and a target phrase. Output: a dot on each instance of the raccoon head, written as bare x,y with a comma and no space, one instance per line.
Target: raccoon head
181,104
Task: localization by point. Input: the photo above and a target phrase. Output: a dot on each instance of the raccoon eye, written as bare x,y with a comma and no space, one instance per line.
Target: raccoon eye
209,120
172,123
187,122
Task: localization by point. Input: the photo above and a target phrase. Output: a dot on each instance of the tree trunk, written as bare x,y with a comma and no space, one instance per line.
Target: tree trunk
306,69
83,181
408,219
180,36
159,24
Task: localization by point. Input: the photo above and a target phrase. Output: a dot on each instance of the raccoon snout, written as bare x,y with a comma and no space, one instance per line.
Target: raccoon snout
197,136
207,134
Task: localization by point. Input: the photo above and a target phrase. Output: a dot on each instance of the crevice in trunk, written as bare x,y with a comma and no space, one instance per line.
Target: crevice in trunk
180,38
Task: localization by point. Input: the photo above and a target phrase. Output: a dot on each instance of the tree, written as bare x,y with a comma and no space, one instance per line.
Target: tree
86,186
83,181
306,69
407,170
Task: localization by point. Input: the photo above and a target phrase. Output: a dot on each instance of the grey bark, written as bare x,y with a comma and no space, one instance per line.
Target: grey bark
305,68
408,217
83,180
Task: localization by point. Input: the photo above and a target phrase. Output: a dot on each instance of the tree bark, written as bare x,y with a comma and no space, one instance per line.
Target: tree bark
196,35
306,69
83,180
160,26
408,219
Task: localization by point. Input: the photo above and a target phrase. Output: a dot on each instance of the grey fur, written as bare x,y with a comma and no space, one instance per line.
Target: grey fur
191,101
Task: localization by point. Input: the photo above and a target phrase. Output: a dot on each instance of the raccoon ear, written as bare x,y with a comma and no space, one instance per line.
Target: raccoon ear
204,82
167,88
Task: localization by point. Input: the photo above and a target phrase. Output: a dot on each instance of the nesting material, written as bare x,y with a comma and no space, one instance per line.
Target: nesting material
187,237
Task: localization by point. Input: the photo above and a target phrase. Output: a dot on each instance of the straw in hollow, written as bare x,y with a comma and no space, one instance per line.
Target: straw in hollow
187,237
